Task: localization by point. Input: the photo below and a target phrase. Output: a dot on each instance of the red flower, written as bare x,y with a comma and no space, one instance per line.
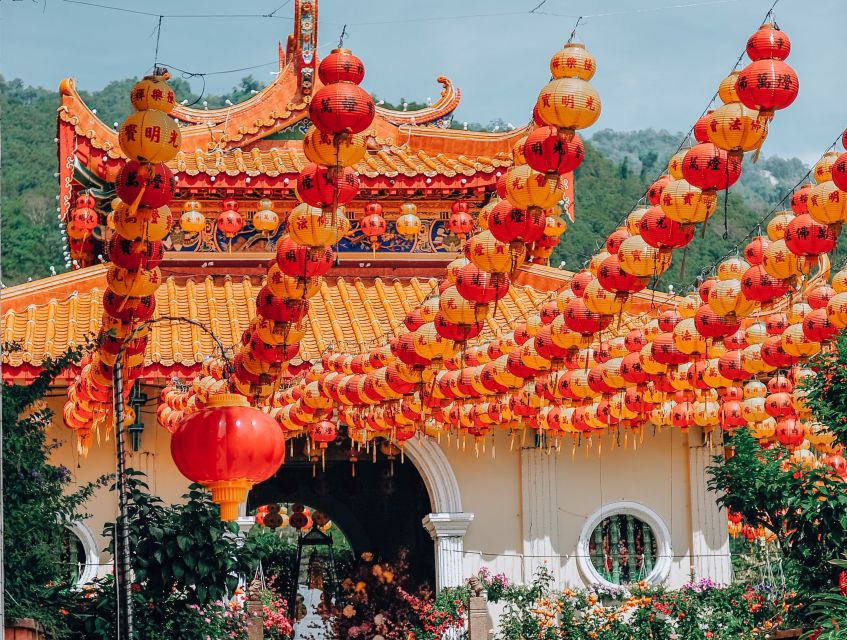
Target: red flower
842,583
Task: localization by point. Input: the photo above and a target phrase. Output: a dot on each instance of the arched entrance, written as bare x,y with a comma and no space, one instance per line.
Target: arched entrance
419,507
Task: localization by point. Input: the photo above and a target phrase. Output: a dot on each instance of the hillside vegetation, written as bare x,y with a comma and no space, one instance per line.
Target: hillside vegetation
619,166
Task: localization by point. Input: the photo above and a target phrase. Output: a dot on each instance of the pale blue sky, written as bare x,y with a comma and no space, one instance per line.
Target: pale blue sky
656,68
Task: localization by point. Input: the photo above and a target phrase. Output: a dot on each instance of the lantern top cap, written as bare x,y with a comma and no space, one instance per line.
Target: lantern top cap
343,50
227,400
573,45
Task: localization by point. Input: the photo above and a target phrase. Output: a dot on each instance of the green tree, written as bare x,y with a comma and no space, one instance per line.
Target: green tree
37,505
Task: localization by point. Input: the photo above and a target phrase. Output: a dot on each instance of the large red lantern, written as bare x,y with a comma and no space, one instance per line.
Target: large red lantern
129,254
230,222
341,107
805,237
712,325
757,284
548,152
322,433
279,309
710,168
323,187
228,446
767,85
654,193
579,319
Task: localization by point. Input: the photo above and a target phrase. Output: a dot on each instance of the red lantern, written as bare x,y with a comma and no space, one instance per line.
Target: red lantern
729,366
755,249
230,222
659,231
480,286
701,127
805,237
508,224
128,309
156,180
774,355
457,332
580,320
460,221
341,66
580,281
341,107
790,432
654,193
129,254
280,309
820,296
228,446
664,350
839,173
710,168
800,198
85,201
373,226
273,354
613,242
323,432
711,325
548,152
84,219
757,284
767,85
817,327
295,260
837,463
321,187
768,42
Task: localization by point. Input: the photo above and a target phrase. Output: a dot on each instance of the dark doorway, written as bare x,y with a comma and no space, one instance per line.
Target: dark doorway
379,509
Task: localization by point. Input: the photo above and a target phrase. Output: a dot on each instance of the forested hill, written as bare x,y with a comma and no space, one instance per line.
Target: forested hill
618,168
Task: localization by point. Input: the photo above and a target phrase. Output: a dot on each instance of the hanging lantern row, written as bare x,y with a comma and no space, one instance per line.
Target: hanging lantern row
141,219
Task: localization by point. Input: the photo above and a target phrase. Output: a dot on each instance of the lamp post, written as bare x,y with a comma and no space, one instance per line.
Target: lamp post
121,558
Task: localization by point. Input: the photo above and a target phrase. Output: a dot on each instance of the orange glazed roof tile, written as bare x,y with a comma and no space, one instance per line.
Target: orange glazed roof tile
351,314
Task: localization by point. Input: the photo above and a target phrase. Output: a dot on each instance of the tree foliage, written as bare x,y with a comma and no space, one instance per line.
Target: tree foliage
36,506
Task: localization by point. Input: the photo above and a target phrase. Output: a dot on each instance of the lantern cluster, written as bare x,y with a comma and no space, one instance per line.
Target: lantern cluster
141,218
83,220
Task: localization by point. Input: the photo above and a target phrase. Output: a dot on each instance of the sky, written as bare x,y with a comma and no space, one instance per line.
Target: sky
659,61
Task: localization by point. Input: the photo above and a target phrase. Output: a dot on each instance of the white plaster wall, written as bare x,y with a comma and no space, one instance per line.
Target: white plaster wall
655,474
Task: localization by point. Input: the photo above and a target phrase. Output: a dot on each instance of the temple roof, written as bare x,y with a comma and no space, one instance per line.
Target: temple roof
350,313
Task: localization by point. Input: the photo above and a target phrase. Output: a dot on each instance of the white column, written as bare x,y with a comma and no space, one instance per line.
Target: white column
710,557
448,532
540,511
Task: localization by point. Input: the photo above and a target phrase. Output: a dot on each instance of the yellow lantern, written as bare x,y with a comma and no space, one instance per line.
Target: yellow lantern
454,308
277,333
531,358
265,219
687,339
596,261
706,413
648,363
753,409
110,220
763,430
568,103
454,267
527,188
779,262
734,127
633,220
192,221
688,305
285,286
565,338
726,299
796,344
778,224
756,333
751,360
145,224
573,61
726,89
611,372
133,283
823,167
675,164
429,344
554,226
489,254
312,227
330,151
604,302
797,312
638,258
578,384
485,213
731,268
517,151
408,225
150,136
152,92
755,389
685,203
827,203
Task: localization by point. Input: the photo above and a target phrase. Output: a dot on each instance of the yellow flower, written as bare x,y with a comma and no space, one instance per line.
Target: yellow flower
388,576
360,586
349,611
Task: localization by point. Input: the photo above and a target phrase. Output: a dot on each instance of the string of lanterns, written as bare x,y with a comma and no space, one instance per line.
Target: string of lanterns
149,138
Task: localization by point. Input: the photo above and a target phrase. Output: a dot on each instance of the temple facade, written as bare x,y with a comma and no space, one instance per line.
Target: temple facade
633,505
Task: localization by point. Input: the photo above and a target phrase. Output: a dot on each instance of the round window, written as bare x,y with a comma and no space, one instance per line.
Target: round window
79,557
623,543
623,549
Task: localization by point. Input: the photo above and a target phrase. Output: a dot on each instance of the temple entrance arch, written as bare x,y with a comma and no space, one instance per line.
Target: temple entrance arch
386,506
